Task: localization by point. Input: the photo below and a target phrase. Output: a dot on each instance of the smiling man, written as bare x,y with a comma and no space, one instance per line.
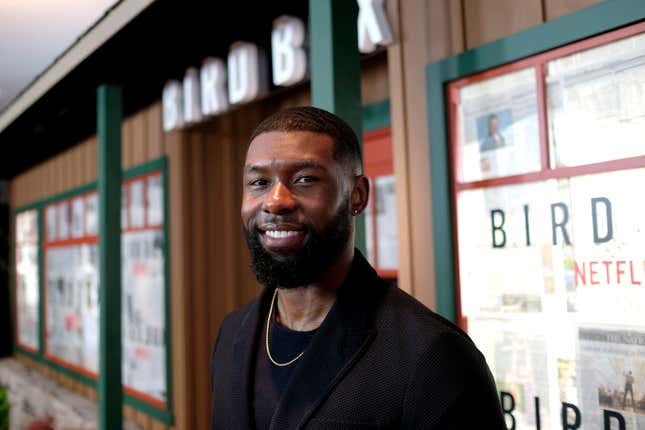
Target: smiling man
328,344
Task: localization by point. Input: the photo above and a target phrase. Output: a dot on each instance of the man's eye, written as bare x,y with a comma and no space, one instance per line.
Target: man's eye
306,179
258,182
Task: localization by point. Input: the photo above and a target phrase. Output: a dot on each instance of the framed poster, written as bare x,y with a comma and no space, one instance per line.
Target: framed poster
550,254
71,285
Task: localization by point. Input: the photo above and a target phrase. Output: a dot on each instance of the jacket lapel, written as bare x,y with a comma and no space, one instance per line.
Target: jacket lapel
340,341
244,347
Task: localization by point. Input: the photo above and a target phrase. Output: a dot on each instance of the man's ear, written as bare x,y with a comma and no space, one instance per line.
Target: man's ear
360,195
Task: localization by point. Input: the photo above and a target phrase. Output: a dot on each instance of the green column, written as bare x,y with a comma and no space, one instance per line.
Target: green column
109,114
335,68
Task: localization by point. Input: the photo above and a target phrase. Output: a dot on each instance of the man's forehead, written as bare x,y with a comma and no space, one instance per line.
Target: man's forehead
290,146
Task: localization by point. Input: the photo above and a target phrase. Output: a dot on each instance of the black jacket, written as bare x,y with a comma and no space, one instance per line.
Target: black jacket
380,359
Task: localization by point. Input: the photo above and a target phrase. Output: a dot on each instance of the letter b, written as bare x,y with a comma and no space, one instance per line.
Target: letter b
497,227
511,407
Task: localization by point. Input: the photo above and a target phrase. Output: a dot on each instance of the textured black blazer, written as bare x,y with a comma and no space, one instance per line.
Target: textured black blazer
379,360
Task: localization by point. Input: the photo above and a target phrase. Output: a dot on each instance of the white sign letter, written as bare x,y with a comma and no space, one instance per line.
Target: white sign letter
213,81
288,58
173,116
192,111
373,27
243,72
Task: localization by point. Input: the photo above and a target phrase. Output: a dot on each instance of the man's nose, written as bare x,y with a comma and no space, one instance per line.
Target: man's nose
279,200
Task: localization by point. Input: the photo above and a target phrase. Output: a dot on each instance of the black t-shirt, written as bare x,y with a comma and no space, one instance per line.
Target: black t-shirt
271,380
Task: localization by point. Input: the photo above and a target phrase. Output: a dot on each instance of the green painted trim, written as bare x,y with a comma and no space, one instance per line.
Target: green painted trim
334,63
109,118
19,349
78,377
600,18
376,115
142,169
23,208
57,197
149,166
163,415
159,164
41,284
167,310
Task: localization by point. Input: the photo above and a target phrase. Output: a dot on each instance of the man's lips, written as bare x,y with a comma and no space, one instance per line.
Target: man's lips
276,237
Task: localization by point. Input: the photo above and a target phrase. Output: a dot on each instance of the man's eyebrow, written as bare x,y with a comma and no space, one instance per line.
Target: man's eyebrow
298,165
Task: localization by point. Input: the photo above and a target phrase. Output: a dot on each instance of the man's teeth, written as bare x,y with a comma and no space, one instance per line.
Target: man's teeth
280,234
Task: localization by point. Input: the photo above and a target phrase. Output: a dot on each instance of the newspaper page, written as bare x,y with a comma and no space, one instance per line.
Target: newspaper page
498,127
602,88
539,263
143,317
611,375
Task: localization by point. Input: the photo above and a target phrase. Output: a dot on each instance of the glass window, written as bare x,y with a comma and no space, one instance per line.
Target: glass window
552,264
385,201
77,217
51,214
137,208
91,214
27,280
596,105
497,127
155,200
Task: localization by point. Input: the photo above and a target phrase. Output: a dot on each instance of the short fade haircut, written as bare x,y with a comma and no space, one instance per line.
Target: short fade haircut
347,150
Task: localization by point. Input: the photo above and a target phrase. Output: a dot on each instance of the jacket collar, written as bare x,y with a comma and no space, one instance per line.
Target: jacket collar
337,345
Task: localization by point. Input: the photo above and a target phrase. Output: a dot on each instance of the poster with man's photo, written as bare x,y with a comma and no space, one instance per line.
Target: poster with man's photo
498,127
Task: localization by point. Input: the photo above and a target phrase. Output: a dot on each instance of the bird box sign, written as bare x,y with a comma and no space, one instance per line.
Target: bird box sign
218,85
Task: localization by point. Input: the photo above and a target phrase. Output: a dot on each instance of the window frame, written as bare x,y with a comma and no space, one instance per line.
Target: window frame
559,37
162,411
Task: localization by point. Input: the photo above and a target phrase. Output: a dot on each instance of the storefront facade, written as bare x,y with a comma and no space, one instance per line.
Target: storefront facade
485,207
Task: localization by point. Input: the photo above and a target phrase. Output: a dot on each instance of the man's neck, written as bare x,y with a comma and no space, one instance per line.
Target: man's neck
304,308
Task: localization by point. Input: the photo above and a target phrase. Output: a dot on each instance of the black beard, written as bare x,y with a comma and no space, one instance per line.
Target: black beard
319,251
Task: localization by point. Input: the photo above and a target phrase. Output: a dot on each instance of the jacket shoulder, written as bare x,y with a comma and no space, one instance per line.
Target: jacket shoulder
401,308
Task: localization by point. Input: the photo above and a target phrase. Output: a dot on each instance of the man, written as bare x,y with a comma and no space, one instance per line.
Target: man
328,345
494,139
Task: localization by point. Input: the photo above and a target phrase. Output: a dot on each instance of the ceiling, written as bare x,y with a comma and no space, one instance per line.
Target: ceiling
33,33
159,44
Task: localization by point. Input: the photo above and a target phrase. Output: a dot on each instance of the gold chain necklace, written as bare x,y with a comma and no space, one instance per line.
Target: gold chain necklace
267,337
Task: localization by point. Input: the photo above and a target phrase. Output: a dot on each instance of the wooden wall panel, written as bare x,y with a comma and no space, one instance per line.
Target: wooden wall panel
139,137
126,143
199,311
180,278
374,79
154,131
557,8
488,20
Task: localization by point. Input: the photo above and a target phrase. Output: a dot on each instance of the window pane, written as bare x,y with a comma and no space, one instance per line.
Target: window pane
72,306
77,217
63,220
553,286
596,105
498,132
27,282
51,213
143,317
155,200
137,213
386,234
91,214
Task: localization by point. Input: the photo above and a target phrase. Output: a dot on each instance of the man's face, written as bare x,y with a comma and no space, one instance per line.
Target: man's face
493,125
295,207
